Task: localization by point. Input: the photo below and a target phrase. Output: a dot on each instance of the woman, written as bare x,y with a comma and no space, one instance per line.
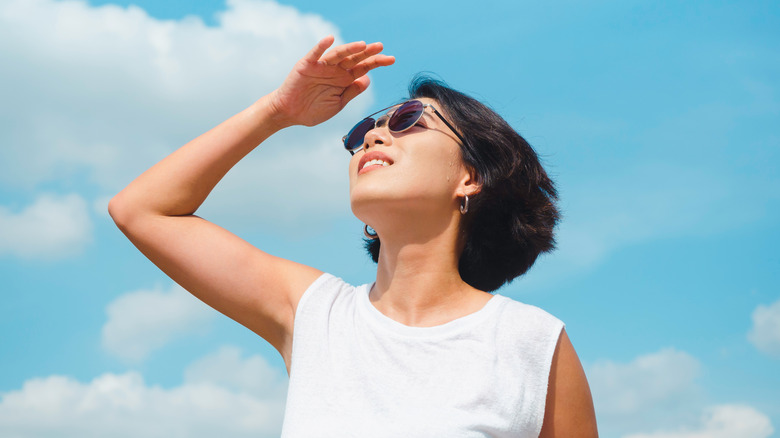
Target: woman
424,351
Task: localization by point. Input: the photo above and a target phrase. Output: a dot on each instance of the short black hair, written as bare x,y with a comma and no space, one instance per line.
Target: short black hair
511,220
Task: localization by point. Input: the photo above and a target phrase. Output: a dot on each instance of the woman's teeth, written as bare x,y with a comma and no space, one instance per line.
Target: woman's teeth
375,163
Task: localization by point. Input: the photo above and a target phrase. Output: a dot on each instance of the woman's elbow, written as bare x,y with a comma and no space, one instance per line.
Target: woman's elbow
120,210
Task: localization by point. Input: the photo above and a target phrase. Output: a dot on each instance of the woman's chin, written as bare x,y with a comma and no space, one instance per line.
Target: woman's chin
371,194
377,206
367,208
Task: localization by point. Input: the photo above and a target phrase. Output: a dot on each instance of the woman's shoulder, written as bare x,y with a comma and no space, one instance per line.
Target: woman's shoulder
527,321
518,307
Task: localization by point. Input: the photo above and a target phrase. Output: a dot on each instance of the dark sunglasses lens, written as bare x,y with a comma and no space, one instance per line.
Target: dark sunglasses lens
405,116
355,137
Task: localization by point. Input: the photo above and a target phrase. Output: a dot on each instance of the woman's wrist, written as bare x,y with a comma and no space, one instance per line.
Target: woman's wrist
269,109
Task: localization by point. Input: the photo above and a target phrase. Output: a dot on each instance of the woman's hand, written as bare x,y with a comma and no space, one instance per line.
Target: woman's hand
321,84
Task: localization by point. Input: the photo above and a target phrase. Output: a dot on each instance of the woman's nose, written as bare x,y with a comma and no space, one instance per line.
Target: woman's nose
379,134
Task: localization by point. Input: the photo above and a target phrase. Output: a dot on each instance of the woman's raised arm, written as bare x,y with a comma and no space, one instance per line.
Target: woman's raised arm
156,210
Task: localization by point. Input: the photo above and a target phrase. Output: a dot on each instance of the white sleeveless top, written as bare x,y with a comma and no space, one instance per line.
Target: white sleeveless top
357,373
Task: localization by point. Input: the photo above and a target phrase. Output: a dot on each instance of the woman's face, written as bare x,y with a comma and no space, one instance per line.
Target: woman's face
419,170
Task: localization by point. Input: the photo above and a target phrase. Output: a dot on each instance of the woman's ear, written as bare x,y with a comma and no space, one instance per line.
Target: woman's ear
470,184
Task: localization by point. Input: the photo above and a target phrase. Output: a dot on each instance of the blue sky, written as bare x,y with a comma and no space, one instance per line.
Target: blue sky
659,122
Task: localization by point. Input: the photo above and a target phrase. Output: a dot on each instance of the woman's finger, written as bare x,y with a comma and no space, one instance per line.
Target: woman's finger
371,63
316,52
337,54
352,60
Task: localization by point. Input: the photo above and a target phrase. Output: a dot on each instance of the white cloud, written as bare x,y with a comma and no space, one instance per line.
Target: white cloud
52,227
656,388
143,321
102,93
226,367
658,392
123,405
654,378
723,421
765,333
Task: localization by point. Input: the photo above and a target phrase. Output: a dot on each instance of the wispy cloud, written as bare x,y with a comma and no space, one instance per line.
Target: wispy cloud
648,202
645,203
143,321
125,406
765,333
51,227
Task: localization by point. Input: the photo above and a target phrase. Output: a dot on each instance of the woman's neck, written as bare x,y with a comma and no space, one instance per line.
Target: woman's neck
418,282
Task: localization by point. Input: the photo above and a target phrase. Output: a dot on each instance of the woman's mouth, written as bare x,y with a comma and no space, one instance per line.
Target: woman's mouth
373,160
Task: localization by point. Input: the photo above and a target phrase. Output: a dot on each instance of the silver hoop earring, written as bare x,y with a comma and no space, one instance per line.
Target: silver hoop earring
464,206
370,236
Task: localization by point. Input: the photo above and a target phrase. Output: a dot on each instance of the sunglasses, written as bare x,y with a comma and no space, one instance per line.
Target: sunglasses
403,118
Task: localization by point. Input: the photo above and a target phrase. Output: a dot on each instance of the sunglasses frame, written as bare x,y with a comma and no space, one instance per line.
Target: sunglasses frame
353,150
